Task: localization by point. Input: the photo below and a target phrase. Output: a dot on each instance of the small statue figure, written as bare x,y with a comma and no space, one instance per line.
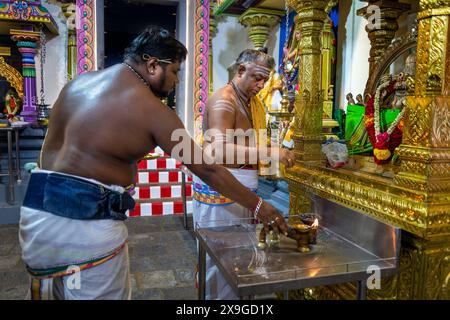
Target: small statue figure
350,99
399,100
11,105
359,100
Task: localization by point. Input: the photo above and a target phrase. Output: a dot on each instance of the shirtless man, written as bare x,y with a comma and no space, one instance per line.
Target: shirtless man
71,230
229,108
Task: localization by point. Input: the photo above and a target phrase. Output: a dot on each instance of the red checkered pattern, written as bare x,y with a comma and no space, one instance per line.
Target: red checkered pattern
157,181
160,192
160,177
159,208
158,164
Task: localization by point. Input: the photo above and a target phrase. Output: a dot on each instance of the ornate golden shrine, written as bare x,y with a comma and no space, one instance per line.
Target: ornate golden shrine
13,76
417,199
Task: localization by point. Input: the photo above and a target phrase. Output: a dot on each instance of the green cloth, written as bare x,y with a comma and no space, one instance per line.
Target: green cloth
339,117
355,128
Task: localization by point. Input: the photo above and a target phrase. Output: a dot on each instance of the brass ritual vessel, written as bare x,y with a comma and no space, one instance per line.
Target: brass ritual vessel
302,234
303,231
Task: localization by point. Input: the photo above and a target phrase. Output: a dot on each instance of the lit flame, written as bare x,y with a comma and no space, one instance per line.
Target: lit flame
315,224
313,272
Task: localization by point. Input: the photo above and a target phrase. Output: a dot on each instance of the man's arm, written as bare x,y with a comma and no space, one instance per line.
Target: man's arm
170,134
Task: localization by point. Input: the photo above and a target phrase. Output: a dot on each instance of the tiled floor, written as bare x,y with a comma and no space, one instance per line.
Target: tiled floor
162,260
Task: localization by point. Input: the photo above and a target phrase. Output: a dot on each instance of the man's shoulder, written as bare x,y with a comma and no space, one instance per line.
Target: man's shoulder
224,94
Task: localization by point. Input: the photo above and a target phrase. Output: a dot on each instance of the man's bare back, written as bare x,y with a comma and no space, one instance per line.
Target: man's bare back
107,129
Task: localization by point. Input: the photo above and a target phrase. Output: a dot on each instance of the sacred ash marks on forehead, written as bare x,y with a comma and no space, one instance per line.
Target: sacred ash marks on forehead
261,69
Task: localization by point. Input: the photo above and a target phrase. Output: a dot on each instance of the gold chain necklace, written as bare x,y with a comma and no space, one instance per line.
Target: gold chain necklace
243,103
138,75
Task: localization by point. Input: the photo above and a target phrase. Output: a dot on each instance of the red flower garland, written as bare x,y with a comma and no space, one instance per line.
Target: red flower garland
391,142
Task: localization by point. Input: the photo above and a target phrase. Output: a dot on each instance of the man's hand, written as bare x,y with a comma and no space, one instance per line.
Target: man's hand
287,157
271,217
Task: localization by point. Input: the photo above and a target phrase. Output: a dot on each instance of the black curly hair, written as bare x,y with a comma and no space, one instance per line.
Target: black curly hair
156,42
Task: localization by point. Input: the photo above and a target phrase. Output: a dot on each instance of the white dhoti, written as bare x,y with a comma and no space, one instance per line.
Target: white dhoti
209,205
75,259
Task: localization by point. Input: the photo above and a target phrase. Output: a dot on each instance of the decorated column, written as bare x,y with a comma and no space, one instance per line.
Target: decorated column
309,100
212,34
425,153
327,70
86,36
69,10
382,16
260,22
201,55
27,42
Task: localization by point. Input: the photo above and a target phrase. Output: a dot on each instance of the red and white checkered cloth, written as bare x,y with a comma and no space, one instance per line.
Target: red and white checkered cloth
160,192
165,176
159,208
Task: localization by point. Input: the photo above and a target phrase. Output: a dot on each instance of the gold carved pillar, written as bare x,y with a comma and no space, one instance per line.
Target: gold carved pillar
425,151
260,22
309,100
308,106
381,31
69,10
327,70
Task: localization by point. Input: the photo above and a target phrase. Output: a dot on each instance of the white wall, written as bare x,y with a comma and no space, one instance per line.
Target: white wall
230,40
353,50
55,67
185,90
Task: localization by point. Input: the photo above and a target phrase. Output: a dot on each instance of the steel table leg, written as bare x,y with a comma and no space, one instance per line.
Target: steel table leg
11,174
19,178
201,271
361,290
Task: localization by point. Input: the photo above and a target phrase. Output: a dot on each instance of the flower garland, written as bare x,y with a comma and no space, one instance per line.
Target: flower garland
384,143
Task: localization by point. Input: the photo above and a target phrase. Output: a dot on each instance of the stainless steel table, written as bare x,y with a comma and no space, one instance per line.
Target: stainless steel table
13,169
232,246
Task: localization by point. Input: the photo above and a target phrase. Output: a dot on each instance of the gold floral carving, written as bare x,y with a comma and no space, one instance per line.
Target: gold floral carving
12,75
436,54
411,210
441,123
418,123
433,4
423,43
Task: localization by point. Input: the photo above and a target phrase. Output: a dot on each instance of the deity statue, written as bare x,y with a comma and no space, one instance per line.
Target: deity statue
290,64
350,99
359,100
12,105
